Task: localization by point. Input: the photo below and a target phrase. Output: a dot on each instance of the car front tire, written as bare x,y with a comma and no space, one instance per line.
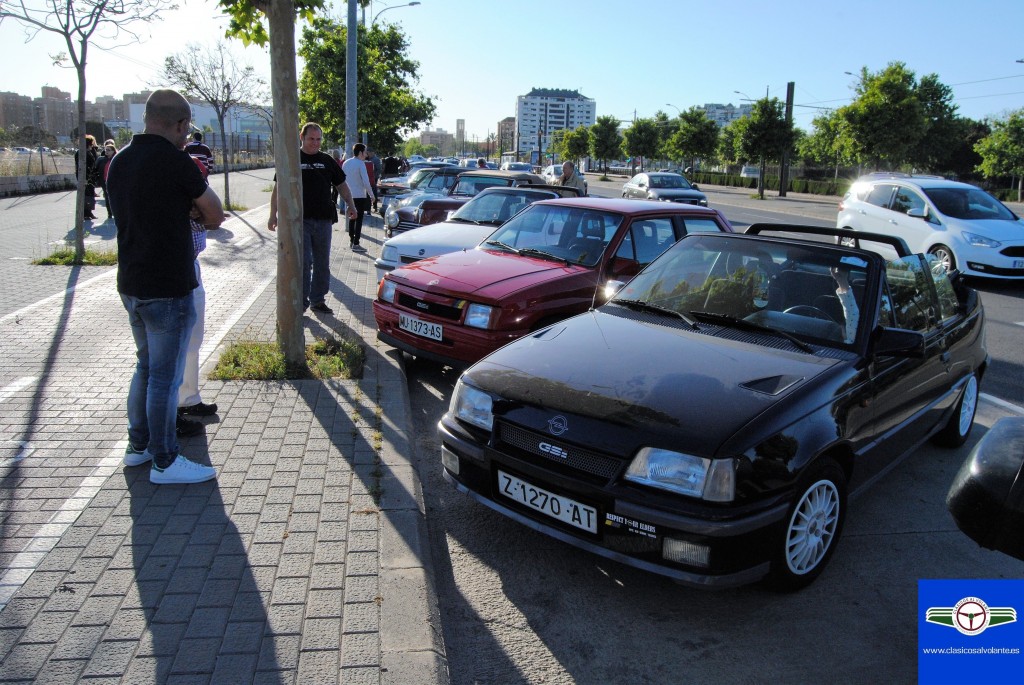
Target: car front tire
958,428
944,255
813,526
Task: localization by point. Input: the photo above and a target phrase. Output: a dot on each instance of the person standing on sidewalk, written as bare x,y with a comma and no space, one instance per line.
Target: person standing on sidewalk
362,192
571,178
109,150
153,186
90,175
378,172
320,173
197,148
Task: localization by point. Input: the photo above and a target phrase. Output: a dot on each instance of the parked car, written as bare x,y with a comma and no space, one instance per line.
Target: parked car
517,166
546,263
432,209
666,187
710,420
963,226
466,227
986,498
553,172
431,179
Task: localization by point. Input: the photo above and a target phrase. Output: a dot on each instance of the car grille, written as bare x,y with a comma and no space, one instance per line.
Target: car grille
687,201
1014,251
406,226
407,259
441,311
577,458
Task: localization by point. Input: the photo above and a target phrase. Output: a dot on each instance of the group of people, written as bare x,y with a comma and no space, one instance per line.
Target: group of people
96,162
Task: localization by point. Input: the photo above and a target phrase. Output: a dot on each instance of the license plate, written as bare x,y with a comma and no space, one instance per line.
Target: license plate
423,329
548,503
1018,264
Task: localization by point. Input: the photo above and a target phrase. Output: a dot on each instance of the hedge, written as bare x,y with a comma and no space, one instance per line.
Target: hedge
796,185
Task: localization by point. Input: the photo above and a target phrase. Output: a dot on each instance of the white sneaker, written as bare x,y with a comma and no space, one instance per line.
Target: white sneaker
181,471
134,457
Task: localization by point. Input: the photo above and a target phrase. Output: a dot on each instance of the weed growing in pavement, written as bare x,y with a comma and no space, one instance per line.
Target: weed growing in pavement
65,256
255,360
269,188
232,207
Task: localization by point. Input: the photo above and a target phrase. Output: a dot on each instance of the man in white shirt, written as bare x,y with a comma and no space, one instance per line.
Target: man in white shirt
362,192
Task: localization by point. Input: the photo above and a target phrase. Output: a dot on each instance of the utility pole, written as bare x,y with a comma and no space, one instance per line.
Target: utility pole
784,166
351,74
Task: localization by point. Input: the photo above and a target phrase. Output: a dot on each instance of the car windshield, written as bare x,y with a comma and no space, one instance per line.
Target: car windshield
813,294
471,185
574,234
419,176
496,206
669,181
968,203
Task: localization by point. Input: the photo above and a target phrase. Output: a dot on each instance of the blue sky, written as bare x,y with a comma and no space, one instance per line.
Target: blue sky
476,56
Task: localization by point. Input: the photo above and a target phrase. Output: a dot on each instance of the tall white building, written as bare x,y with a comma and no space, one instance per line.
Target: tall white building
543,111
723,115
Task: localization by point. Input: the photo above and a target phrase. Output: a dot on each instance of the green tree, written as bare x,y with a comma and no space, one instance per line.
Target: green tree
728,140
666,129
605,141
828,143
963,158
887,120
766,136
1002,151
696,136
941,125
388,103
641,140
574,144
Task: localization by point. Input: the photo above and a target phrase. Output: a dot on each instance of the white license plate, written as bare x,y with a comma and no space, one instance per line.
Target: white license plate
1018,264
548,503
424,329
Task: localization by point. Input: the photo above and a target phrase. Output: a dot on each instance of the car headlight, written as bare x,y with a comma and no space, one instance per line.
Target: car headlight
389,253
386,292
703,202
472,405
479,315
711,479
979,240
391,217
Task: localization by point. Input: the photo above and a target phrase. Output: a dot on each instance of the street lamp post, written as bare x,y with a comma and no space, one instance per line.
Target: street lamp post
669,104
408,4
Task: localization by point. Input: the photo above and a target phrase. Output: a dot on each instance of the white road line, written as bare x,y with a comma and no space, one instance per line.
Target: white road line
210,343
17,386
46,538
36,305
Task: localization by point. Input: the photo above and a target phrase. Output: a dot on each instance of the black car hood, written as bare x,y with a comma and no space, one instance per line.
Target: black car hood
658,378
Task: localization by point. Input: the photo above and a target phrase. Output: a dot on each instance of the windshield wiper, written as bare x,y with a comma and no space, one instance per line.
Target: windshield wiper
504,246
648,307
726,319
465,220
534,252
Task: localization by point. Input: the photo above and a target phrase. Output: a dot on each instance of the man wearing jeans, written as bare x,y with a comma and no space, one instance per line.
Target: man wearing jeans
320,173
153,185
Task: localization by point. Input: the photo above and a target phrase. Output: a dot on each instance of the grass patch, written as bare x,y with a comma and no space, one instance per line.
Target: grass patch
65,256
234,207
604,177
269,188
252,360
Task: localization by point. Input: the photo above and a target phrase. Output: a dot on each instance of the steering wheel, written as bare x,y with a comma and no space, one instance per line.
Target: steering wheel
811,311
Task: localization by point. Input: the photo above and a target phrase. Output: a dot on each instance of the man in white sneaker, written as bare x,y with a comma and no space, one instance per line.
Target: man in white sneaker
153,186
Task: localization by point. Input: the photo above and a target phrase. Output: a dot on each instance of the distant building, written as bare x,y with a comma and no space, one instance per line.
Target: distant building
444,141
507,134
16,110
723,115
543,111
460,136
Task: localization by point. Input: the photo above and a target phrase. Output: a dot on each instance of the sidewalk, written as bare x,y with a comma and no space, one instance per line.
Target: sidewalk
306,561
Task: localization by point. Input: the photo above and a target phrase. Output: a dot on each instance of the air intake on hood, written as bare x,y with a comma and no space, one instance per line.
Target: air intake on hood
772,385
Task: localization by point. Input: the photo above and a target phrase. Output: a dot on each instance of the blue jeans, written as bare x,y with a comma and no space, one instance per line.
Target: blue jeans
161,329
316,260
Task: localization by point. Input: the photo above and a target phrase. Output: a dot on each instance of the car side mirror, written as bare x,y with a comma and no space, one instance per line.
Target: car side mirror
918,213
642,184
695,186
612,287
897,342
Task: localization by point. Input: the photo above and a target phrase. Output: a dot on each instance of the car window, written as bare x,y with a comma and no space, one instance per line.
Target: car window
906,200
647,239
701,225
437,182
908,284
968,203
879,195
949,305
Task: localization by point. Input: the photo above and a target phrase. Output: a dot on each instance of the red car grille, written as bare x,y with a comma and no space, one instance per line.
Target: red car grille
441,311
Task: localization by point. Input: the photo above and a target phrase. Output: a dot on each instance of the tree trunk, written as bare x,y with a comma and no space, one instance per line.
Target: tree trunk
227,160
281,19
760,178
82,162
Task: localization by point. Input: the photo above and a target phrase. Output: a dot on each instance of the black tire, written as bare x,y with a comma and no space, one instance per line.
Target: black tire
945,255
958,428
813,525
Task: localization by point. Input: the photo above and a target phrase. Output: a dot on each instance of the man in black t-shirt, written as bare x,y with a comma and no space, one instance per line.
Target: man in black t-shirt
153,187
320,173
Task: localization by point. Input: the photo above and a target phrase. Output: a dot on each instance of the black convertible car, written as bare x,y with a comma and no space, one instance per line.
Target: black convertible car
708,422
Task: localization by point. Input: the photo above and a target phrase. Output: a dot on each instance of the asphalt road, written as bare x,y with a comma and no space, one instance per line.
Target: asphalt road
518,607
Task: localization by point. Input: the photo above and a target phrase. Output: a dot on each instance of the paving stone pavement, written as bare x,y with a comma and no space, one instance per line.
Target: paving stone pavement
305,561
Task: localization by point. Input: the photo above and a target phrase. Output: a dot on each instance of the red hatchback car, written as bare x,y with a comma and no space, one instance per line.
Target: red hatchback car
547,263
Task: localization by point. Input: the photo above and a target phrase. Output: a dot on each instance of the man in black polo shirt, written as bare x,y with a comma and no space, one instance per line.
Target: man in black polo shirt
153,186
320,173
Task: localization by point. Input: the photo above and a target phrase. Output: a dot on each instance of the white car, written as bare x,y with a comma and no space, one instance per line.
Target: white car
553,172
965,227
465,228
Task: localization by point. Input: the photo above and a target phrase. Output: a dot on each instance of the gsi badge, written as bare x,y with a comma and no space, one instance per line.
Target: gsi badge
553,450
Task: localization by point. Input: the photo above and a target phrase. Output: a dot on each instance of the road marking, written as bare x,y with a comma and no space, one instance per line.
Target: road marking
211,343
25,562
57,296
1002,404
17,386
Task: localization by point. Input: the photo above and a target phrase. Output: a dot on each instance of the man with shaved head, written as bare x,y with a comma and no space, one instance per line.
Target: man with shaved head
154,187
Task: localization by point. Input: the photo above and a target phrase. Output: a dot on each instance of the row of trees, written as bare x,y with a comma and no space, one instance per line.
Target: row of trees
896,122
